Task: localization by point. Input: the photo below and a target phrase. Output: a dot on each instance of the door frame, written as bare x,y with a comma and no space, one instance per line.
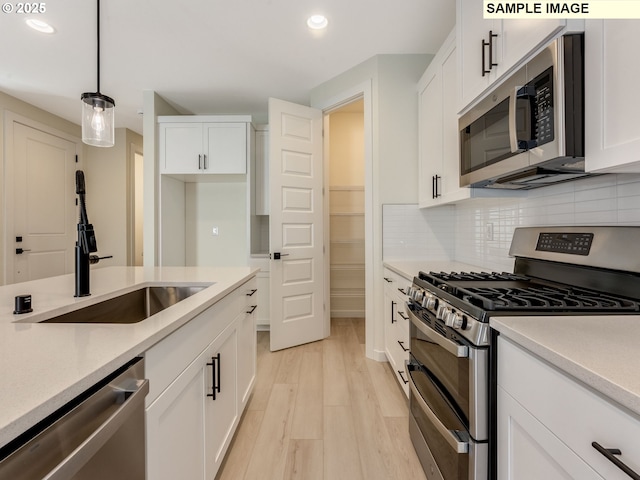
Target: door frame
362,90
6,204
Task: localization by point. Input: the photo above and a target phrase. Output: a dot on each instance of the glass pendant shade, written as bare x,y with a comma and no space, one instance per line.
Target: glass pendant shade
98,126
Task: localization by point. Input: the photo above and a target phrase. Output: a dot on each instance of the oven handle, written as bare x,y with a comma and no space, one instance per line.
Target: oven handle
460,351
449,436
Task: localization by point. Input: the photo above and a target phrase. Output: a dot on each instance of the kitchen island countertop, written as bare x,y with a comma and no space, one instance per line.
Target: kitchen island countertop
45,365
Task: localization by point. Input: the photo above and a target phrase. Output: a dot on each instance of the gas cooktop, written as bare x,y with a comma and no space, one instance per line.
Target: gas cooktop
493,291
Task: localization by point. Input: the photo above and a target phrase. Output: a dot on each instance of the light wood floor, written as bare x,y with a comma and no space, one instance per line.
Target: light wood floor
323,411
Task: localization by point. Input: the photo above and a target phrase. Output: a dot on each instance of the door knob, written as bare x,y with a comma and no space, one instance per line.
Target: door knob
277,255
20,251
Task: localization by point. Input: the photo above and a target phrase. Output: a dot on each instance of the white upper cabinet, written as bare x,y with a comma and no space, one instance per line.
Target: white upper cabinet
202,145
489,48
612,124
439,164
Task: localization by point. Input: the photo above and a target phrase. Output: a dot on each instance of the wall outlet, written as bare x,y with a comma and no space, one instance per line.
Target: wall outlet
489,231
215,231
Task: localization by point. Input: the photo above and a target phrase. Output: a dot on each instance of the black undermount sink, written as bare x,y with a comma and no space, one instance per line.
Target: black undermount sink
131,307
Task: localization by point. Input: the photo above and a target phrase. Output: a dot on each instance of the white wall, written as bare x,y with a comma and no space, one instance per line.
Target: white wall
394,155
221,204
109,195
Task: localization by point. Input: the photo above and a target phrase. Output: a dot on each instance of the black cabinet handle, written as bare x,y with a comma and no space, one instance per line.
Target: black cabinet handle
206,165
199,162
402,346
393,320
215,375
253,290
433,184
401,290
609,454
404,317
490,45
401,373
388,280
253,308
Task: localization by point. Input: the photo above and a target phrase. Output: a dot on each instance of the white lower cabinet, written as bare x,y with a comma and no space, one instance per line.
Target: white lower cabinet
396,325
548,423
200,393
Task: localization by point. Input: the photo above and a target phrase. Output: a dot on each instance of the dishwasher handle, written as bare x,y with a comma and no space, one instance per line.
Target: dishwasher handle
83,453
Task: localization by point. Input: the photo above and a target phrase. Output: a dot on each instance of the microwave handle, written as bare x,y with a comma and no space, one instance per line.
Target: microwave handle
519,93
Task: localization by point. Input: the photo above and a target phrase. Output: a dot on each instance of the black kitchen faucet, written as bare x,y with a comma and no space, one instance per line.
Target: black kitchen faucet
86,243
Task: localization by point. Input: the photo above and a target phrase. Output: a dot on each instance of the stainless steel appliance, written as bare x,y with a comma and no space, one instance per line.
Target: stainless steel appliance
98,436
558,271
529,131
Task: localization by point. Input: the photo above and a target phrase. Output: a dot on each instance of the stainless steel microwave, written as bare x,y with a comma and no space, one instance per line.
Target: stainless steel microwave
529,131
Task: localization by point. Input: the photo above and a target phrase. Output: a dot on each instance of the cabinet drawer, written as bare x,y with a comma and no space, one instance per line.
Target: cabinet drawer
169,357
576,414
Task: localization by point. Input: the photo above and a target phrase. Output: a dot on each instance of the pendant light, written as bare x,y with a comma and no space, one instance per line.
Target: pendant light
98,110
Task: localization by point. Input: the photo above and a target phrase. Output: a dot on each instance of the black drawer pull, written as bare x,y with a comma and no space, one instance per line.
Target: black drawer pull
393,319
253,308
404,317
253,290
609,454
401,290
215,375
401,373
388,280
402,345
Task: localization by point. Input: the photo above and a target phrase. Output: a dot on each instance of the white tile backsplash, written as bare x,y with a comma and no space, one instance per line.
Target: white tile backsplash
459,232
410,233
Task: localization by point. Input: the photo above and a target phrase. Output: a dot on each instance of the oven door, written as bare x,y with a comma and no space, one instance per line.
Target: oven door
442,443
460,369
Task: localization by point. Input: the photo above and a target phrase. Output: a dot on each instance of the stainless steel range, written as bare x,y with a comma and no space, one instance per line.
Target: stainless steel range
558,271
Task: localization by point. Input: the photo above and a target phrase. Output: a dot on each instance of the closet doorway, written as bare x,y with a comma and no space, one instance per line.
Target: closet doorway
346,191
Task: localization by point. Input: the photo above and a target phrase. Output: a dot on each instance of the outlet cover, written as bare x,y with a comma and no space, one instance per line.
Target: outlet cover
215,232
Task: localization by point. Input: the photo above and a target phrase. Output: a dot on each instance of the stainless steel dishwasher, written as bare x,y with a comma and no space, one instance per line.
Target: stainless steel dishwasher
99,435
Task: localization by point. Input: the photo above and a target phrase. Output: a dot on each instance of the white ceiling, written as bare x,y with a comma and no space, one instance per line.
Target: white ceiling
205,56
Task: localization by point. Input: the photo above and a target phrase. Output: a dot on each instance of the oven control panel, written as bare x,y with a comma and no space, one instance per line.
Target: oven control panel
571,243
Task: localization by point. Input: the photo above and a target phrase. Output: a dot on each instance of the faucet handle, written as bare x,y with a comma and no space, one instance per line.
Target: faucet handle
93,259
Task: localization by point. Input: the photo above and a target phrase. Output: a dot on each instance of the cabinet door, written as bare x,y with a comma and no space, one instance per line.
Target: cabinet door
450,183
226,147
181,148
527,450
221,411
247,345
176,424
430,136
262,312
521,37
612,124
471,30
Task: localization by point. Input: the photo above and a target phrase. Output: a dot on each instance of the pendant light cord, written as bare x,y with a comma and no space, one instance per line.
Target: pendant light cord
98,53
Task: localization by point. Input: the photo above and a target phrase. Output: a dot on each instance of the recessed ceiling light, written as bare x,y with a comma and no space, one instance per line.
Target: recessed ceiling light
40,26
317,22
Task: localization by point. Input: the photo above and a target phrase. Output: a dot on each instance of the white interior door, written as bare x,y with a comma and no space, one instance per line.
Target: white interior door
295,224
41,209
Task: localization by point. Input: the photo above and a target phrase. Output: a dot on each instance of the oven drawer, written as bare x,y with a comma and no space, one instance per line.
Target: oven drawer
575,414
445,448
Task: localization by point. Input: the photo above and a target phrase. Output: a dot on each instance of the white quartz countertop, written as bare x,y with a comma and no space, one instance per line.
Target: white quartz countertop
44,365
410,268
600,351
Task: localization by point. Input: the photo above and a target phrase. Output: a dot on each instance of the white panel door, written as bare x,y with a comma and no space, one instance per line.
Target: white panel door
40,205
295,225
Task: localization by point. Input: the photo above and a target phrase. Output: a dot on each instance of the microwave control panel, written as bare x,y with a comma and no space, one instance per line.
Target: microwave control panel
543,110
